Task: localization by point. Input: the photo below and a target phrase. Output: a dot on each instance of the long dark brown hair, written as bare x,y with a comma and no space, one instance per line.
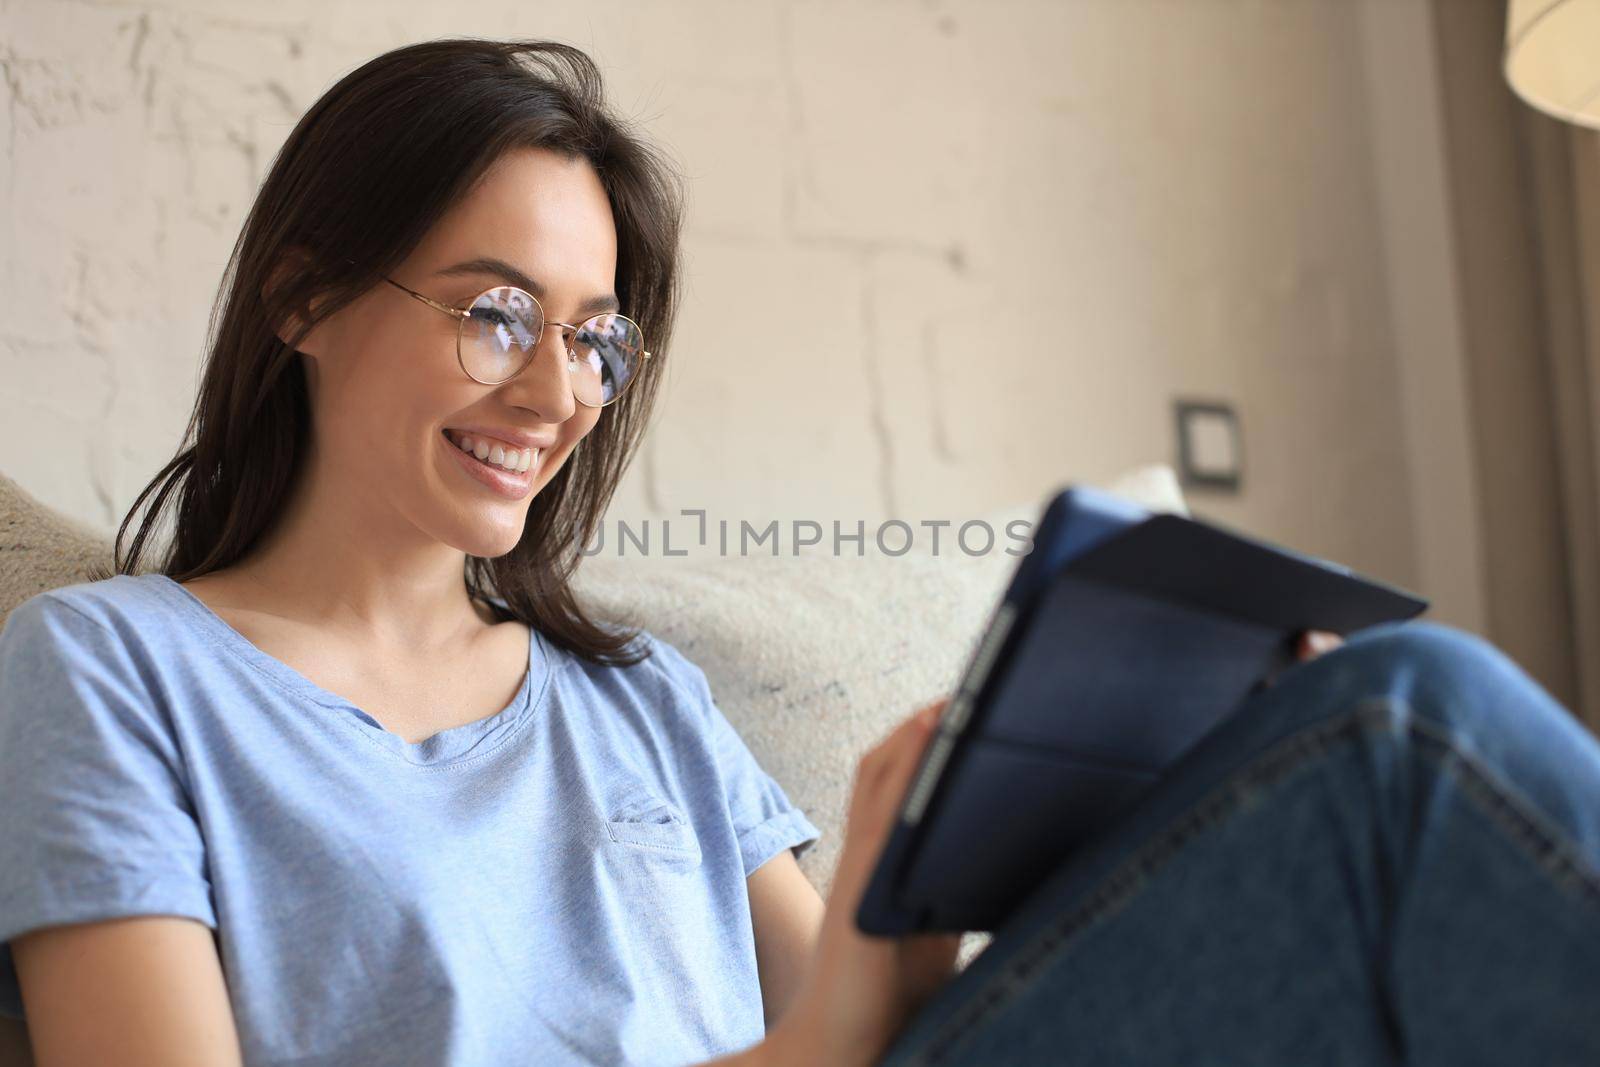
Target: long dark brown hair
367,171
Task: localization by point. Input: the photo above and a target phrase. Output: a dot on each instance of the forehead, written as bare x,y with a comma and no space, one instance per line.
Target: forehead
544,212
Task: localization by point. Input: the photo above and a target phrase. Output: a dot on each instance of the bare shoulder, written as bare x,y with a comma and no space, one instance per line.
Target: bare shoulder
232,600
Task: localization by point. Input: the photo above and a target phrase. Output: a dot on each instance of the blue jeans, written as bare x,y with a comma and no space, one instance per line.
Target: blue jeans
1390,856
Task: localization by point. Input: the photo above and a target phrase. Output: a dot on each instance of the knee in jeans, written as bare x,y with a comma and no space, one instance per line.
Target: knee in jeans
1477,703
1422,645
1440,672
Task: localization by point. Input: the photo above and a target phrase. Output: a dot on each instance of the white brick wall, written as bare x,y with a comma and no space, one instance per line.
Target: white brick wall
988,242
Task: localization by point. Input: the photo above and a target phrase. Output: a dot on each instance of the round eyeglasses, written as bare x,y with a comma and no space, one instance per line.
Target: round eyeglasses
498,333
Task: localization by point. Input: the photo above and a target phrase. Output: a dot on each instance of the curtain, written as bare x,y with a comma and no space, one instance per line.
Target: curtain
1564,171
1524,194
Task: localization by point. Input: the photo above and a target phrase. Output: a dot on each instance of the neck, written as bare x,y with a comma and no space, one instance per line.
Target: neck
342,558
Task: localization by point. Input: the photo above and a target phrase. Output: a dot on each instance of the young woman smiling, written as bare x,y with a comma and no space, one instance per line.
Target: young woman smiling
351,778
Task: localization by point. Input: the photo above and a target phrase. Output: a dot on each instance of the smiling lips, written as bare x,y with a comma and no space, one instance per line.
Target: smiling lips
506,457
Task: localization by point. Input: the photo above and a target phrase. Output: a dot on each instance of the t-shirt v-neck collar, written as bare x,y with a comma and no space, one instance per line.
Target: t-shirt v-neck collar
452,746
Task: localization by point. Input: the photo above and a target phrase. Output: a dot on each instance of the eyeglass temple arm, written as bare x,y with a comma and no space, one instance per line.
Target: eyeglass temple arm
455,313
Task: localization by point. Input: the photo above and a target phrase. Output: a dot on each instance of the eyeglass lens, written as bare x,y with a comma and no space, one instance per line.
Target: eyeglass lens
502,328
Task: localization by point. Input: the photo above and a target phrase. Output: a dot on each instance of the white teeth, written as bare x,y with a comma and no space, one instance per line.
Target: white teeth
516,461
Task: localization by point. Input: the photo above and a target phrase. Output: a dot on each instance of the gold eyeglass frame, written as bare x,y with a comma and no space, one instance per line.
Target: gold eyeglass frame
461,315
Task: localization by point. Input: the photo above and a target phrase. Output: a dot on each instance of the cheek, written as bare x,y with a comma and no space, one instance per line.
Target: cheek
573,431
385,383
583,421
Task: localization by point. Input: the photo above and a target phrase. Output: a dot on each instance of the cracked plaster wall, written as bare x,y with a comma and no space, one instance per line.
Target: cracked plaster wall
942,256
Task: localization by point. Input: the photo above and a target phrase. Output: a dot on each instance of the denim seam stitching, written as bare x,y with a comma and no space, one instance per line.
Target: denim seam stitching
1285,757
1545,844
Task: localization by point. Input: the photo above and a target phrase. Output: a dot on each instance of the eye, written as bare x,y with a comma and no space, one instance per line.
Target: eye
492,315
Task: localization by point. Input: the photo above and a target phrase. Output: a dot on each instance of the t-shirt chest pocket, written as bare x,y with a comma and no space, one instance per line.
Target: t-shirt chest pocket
640,820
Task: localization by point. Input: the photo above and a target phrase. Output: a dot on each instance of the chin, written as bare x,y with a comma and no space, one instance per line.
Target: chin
482,538
490,547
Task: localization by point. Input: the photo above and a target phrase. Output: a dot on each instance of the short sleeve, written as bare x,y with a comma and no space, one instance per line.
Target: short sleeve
98,822
765,821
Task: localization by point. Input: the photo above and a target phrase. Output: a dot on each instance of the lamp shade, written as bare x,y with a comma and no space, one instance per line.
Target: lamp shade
1552,57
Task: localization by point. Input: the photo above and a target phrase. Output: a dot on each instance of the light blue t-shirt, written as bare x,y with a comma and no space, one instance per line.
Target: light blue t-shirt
562,882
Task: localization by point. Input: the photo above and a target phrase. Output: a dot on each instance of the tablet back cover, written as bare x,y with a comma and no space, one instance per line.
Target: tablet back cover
1135,650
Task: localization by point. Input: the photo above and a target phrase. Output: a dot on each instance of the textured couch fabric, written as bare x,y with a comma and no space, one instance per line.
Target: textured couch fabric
812,657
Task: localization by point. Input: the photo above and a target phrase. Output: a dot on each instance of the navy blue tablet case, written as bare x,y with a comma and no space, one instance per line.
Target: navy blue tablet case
1123,638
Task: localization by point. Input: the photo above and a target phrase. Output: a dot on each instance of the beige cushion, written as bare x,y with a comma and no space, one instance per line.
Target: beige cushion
813,658
41,549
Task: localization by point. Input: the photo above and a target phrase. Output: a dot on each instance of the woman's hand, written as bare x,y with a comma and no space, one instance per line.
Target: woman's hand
1314,643
859,991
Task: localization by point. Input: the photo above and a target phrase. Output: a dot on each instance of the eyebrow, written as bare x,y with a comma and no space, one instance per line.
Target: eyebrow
499,268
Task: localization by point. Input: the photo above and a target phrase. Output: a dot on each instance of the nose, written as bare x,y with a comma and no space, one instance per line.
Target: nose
545,384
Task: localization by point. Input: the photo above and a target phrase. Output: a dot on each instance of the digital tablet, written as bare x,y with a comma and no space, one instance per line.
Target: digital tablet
1122,638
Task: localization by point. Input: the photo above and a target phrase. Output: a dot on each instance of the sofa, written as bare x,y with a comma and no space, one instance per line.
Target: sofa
813,657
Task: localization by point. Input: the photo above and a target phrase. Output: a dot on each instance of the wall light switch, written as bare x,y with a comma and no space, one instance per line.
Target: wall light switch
1210,445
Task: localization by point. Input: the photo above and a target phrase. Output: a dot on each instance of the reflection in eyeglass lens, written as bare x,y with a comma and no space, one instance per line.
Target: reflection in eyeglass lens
499,333
506,317
608,347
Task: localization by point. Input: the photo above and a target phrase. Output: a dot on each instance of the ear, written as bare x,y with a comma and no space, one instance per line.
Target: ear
294,262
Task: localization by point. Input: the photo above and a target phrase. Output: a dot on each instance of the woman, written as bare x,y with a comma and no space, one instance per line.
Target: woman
351,778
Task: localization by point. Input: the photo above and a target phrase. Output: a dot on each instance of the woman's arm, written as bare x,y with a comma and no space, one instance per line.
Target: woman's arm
149,992
146,991
786,911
